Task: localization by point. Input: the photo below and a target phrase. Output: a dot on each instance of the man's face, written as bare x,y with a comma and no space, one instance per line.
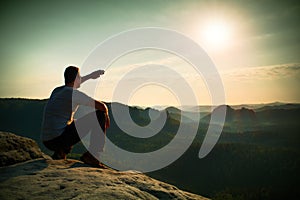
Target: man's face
77,81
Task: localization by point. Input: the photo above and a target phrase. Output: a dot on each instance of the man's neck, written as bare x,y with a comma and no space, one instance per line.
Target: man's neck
70,85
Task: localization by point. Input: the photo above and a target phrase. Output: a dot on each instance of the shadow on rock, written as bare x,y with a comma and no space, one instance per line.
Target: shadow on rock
27,168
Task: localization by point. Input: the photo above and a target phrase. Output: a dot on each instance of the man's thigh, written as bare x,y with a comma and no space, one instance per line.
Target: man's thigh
70,135
65,141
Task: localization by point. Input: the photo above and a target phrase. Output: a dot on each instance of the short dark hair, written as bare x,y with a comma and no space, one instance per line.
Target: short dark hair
70,74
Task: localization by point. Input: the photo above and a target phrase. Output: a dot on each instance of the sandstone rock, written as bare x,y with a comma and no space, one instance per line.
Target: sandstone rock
44,178
15,149
72,179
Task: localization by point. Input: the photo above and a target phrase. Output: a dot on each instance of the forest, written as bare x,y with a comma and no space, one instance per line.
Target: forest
257,155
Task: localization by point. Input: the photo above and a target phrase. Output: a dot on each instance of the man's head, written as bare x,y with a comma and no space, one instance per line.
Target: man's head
72,77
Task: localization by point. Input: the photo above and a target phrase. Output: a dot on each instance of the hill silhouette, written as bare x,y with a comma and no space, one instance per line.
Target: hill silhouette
234,115
256,157
236,120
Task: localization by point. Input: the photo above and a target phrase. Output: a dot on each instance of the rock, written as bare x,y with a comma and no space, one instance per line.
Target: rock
15,149
72,179
44,178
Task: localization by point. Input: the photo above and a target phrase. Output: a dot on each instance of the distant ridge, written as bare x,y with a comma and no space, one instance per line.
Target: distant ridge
234,115
202,108
287,106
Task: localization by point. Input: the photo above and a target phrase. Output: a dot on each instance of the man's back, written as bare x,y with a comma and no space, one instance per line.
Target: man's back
60,110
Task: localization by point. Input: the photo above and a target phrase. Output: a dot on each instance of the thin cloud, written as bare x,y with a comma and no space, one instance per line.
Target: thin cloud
273,72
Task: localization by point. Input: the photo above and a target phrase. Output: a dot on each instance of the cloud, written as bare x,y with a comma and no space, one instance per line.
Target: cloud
272,72
168,62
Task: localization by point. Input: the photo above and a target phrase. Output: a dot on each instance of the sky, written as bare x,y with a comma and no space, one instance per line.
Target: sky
253,44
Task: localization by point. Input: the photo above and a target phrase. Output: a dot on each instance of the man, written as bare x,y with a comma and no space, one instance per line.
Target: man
59,133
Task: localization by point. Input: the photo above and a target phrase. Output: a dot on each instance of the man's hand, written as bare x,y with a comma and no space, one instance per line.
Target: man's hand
96,74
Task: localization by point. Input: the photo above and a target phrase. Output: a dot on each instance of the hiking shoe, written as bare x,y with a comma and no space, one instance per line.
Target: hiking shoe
89,159
59,155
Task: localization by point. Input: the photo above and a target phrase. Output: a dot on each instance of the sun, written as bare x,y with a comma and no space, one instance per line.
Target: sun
216,35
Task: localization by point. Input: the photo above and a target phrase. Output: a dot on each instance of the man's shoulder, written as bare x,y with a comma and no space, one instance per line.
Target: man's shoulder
82,98
63,88
79,93
58,88
69,92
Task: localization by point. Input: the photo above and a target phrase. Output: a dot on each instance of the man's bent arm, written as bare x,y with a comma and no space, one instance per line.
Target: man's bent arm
101,106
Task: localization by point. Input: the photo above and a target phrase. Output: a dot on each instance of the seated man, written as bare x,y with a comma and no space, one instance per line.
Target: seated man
59,133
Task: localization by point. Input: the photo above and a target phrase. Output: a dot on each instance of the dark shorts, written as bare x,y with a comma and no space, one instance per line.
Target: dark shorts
70,136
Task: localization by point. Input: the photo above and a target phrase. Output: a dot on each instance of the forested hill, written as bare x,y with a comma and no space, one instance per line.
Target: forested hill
257,155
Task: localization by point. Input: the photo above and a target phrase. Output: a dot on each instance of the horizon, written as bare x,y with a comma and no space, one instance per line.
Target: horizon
253,45
165,106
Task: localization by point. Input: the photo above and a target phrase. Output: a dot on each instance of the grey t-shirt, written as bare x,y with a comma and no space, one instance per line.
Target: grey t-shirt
60,109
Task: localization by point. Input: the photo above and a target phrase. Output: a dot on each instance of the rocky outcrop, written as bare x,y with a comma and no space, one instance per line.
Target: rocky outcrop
44,178
15,149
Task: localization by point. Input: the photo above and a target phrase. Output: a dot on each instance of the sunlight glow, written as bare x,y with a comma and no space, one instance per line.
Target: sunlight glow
216,35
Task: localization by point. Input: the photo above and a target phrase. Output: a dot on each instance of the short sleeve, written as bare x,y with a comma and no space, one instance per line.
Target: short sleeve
79,98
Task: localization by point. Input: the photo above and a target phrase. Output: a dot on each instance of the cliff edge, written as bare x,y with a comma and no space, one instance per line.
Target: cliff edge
40,177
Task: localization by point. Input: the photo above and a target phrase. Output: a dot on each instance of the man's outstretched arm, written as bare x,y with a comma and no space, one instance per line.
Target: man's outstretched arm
93,75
